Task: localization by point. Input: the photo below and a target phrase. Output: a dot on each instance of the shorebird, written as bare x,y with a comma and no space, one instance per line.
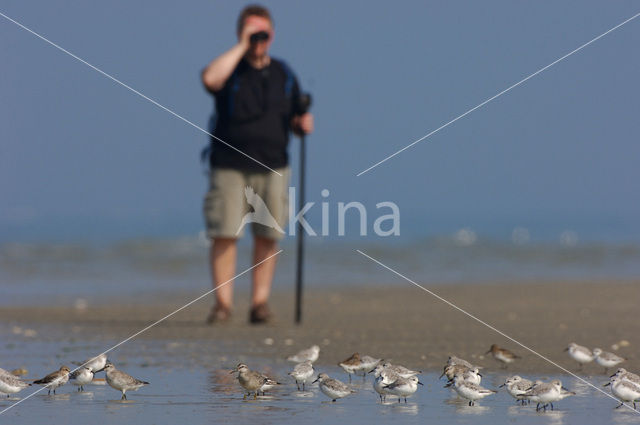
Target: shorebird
450,371
580,354
469,375
453,360
606,359
250,380
333,388
403,387
81,377
471,392
351,365
301,373
624,390
367,363
547,393
268,384
517,387
310,354
502,355
11,384
383,377
400,370
55,379
626,375
122,381
96,364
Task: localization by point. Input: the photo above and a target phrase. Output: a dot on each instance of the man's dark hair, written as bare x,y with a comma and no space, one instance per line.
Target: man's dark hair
252,10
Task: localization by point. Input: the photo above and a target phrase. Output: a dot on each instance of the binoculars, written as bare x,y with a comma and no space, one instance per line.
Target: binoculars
259,36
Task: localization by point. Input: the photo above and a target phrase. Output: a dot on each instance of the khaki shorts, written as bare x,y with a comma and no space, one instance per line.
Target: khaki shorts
237,198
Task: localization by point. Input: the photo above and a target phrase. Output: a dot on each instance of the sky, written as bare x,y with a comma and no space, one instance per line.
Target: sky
81,157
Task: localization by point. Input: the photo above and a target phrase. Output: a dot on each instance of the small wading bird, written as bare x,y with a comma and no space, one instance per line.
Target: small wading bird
11,384
606,359
82,377
55,379
580,354
546,393
403,387
502,355
122,381
301,373
309,354
250,380
333,388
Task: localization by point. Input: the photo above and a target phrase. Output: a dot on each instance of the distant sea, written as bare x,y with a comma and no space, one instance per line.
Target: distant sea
84,271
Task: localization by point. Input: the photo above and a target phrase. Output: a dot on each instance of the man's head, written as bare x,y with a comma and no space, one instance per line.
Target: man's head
255,19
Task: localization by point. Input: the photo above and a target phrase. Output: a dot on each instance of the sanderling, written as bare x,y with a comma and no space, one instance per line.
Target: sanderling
547,393
624,390
469,375
368,363
301,373
471,392
403,387
122,381
625,374
453,360
309,354
250,380
11,384
55,379
580,354
333,388
351,365
450,371
383,377
502,355
96,364
268,384
517,387
606,359
400,370
81,377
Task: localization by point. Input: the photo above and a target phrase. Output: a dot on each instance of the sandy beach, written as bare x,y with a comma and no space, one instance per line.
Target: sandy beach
399,322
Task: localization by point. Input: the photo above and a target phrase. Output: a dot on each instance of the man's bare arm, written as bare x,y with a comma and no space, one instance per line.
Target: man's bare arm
216,74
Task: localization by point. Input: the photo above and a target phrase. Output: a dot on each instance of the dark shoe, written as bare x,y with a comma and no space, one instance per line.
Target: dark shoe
219,314
260,314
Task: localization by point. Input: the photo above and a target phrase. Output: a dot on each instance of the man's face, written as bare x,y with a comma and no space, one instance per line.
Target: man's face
256,24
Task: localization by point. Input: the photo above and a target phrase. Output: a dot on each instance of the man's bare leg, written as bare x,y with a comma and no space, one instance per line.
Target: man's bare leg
223,256
262,277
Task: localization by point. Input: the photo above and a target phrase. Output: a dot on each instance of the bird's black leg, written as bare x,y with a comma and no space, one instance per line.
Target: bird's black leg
333,401
620,405
349,378
551,406
537,407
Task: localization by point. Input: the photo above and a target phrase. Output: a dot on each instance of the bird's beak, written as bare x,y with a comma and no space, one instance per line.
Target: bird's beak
607,384
448,384
315,381
480,375
566,349
613,375
565,389
488,352
443,373
372,370
233,371
96,371
500,386
420,383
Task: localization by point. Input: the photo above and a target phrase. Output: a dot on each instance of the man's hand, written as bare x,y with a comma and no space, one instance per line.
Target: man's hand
302,124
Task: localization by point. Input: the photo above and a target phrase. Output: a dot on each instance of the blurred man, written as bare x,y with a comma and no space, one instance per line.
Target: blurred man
255,110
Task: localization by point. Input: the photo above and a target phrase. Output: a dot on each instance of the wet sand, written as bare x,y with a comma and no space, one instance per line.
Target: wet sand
399,322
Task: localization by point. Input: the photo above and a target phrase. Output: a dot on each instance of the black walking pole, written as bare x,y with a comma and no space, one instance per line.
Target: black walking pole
304,103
